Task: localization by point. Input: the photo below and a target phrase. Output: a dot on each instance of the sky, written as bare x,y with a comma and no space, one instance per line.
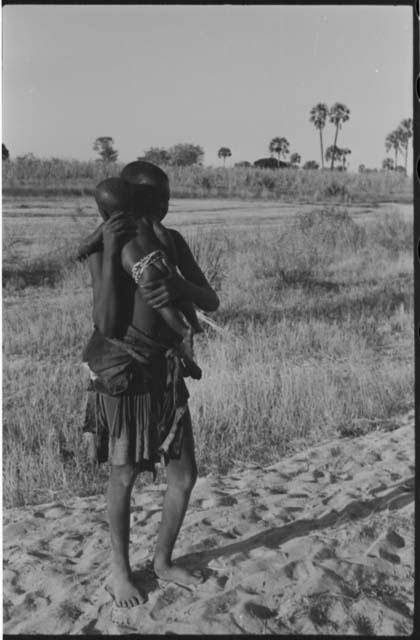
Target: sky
229,75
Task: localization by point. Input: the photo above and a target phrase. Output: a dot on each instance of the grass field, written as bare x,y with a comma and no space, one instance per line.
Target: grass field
35,177
316,304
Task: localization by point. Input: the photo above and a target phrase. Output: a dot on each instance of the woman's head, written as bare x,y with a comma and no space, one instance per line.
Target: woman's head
149,187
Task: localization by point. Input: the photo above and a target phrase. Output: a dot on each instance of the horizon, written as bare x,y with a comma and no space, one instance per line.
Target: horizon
203,83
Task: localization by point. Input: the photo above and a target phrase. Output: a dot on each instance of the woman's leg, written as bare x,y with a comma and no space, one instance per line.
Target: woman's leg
119,493
181,475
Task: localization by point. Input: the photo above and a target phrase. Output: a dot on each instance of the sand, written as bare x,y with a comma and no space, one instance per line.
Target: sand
321,542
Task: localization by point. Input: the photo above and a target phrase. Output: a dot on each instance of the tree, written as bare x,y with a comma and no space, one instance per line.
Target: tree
242,164
279,146
295,159
318,116
338,114
186,154
393,141
332,152
5,155
388,164
156,155
28,157
224,152
311,164
105,148
361,168
270,163
405,132
343,154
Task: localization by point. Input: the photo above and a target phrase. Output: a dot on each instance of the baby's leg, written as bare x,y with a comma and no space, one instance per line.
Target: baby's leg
172,316
170,313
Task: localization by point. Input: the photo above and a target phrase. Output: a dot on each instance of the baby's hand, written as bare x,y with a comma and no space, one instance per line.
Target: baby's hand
117,231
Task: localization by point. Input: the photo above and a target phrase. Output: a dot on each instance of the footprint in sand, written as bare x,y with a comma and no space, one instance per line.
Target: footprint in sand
32,601
9,576
325,553
16,531
227,501
221,604
68,544
388,555
395,539
259,611
204,503
57,511
293,508
171,600
277,490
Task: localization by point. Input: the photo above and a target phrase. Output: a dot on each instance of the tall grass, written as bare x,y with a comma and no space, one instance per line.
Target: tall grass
318,334
55,176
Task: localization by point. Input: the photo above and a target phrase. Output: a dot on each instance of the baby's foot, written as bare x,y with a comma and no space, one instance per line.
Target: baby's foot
187,345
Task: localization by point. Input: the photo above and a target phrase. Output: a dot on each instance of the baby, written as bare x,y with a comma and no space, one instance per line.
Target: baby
147,257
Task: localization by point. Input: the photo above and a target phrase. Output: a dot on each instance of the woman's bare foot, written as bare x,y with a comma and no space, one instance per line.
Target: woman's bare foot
178,575
126,593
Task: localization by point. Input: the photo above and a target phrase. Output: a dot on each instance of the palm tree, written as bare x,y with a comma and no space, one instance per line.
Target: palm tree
279,146
339,114
405,132
393,141
295,159
224,152
318,116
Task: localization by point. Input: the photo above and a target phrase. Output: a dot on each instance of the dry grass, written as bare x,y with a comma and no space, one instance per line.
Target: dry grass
318,319
74,178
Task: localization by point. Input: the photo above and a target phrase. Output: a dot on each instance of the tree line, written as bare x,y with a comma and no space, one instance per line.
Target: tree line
187,154
398,140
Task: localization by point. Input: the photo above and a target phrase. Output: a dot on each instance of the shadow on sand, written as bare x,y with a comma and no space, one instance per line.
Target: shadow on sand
401,495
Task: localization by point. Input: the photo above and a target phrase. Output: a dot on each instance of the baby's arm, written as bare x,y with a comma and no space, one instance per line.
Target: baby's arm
114,232
91,244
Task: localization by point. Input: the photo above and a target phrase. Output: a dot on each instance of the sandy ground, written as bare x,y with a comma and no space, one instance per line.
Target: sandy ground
321,542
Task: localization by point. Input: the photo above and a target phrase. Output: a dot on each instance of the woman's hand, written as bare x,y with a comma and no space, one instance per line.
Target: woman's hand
161,292
116,232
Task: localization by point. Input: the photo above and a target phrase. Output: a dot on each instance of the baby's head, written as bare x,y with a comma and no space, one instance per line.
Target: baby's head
149,188
112,196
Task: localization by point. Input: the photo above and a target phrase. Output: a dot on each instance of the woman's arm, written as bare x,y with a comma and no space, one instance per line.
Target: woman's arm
193,287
